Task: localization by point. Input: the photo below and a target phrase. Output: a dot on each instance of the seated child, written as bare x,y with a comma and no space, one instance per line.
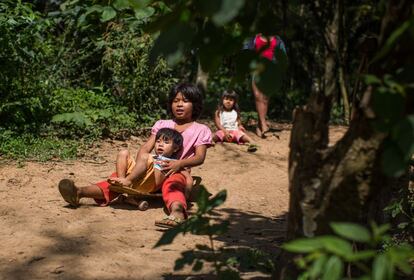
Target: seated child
150,174
227,120
168,145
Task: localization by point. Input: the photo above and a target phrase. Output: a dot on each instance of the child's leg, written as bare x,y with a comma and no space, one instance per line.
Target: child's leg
218,136
173,190
246,139
159,178
122,163
188,183
138,170
72,194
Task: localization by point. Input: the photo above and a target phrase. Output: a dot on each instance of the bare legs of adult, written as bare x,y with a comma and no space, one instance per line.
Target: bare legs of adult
262,105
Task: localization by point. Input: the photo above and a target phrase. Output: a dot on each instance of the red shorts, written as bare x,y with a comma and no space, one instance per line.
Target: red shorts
108,194
173,189
236,136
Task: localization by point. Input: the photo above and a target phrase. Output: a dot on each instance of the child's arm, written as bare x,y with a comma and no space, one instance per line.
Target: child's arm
175,166
240,125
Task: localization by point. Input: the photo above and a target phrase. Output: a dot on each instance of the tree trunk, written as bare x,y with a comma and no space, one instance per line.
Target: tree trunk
343,182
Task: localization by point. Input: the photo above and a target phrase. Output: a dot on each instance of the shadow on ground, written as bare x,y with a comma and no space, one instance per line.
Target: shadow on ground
248,232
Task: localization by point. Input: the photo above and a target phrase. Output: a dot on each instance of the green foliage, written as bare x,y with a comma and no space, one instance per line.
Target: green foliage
325,257
141,88
401,210
24,47
201,224
85,112
390,96
27,147
210,30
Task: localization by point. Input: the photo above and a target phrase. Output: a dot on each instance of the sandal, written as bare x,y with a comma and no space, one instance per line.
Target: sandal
262,134
252,148
69,192
169,222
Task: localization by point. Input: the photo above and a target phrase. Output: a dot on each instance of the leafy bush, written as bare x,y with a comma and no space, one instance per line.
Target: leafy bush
326,256
79,112
28,147
25,47
143,89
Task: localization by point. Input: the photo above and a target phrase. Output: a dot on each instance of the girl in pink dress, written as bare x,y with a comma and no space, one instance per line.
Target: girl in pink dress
185,103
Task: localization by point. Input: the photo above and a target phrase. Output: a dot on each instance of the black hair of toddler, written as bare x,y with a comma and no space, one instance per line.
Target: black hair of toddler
173,135
229,94
192,93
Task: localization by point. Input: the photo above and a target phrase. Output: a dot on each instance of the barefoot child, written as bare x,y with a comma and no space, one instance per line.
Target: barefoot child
227,120
185,104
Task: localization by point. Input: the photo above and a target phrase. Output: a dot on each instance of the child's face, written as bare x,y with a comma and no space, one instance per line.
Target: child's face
182,108
165,147
228,103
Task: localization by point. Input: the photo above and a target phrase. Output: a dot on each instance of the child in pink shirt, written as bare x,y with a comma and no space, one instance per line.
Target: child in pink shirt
185,104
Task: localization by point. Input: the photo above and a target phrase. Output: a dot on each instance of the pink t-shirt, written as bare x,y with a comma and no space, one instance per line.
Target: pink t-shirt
195,135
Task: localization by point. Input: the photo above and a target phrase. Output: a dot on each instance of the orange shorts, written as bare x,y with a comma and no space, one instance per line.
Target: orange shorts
145,183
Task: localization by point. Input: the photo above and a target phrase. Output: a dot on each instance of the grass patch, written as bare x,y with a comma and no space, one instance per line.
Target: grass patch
30,147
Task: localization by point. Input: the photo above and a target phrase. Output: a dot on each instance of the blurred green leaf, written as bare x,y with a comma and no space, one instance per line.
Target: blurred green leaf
372,80
228,10
403,135
381,268
362,255
351,231
336,245
393,162
318,266
216,200
171,43
144,12
333,269
303,245
108,13
121,4
388,107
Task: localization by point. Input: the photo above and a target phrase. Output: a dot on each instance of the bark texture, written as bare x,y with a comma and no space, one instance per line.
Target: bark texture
343,182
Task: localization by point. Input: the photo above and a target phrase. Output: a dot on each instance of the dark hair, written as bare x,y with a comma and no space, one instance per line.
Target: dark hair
171,134
192,93
229,94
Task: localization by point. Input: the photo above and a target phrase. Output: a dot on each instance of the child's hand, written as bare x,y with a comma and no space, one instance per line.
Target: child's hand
227,136
123,182
173,166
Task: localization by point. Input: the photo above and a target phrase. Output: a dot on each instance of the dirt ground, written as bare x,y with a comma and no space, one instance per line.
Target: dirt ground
42,238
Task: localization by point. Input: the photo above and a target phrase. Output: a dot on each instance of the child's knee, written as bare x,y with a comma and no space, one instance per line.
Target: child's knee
123,154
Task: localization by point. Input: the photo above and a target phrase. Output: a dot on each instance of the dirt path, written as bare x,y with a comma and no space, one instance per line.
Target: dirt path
41,238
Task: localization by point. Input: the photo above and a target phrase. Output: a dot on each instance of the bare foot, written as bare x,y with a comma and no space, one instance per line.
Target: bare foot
177,210
122,182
